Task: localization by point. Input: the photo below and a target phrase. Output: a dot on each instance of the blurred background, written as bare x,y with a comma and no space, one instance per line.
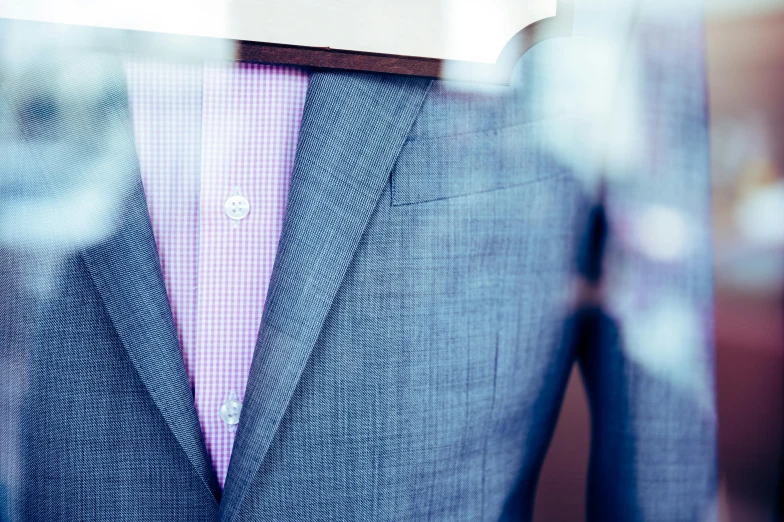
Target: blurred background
745,46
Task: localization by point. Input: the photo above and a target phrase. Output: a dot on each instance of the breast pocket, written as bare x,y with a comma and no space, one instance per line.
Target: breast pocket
430,169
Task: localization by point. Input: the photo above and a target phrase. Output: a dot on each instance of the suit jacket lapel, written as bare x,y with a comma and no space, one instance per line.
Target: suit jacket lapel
127,272
125,266
353,128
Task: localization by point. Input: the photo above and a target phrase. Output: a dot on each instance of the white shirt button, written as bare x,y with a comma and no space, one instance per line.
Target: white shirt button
236,207
230,411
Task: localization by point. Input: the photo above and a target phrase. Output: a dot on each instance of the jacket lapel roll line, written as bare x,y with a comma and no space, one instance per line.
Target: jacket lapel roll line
127,272
118,248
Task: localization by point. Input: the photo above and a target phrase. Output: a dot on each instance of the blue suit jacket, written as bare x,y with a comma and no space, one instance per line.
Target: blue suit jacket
415,343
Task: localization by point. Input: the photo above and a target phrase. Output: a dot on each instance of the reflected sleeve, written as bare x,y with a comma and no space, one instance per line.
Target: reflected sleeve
648,368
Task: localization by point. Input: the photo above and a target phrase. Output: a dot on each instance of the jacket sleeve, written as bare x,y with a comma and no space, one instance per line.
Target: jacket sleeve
647,359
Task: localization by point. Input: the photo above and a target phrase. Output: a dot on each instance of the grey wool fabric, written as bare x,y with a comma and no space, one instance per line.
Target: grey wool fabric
416,338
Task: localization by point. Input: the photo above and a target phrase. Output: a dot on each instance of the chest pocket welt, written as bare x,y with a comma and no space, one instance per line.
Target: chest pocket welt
429,169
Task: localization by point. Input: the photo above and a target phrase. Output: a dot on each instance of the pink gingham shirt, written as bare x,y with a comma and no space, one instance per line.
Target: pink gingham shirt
205,133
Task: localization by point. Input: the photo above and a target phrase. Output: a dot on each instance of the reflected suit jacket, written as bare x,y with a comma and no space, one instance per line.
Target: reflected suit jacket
415,344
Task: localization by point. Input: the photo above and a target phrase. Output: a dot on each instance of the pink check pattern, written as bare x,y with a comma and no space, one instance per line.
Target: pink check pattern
205,132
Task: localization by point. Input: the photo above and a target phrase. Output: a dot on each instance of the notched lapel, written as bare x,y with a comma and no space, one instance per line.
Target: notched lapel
126,270
353,128
95,151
